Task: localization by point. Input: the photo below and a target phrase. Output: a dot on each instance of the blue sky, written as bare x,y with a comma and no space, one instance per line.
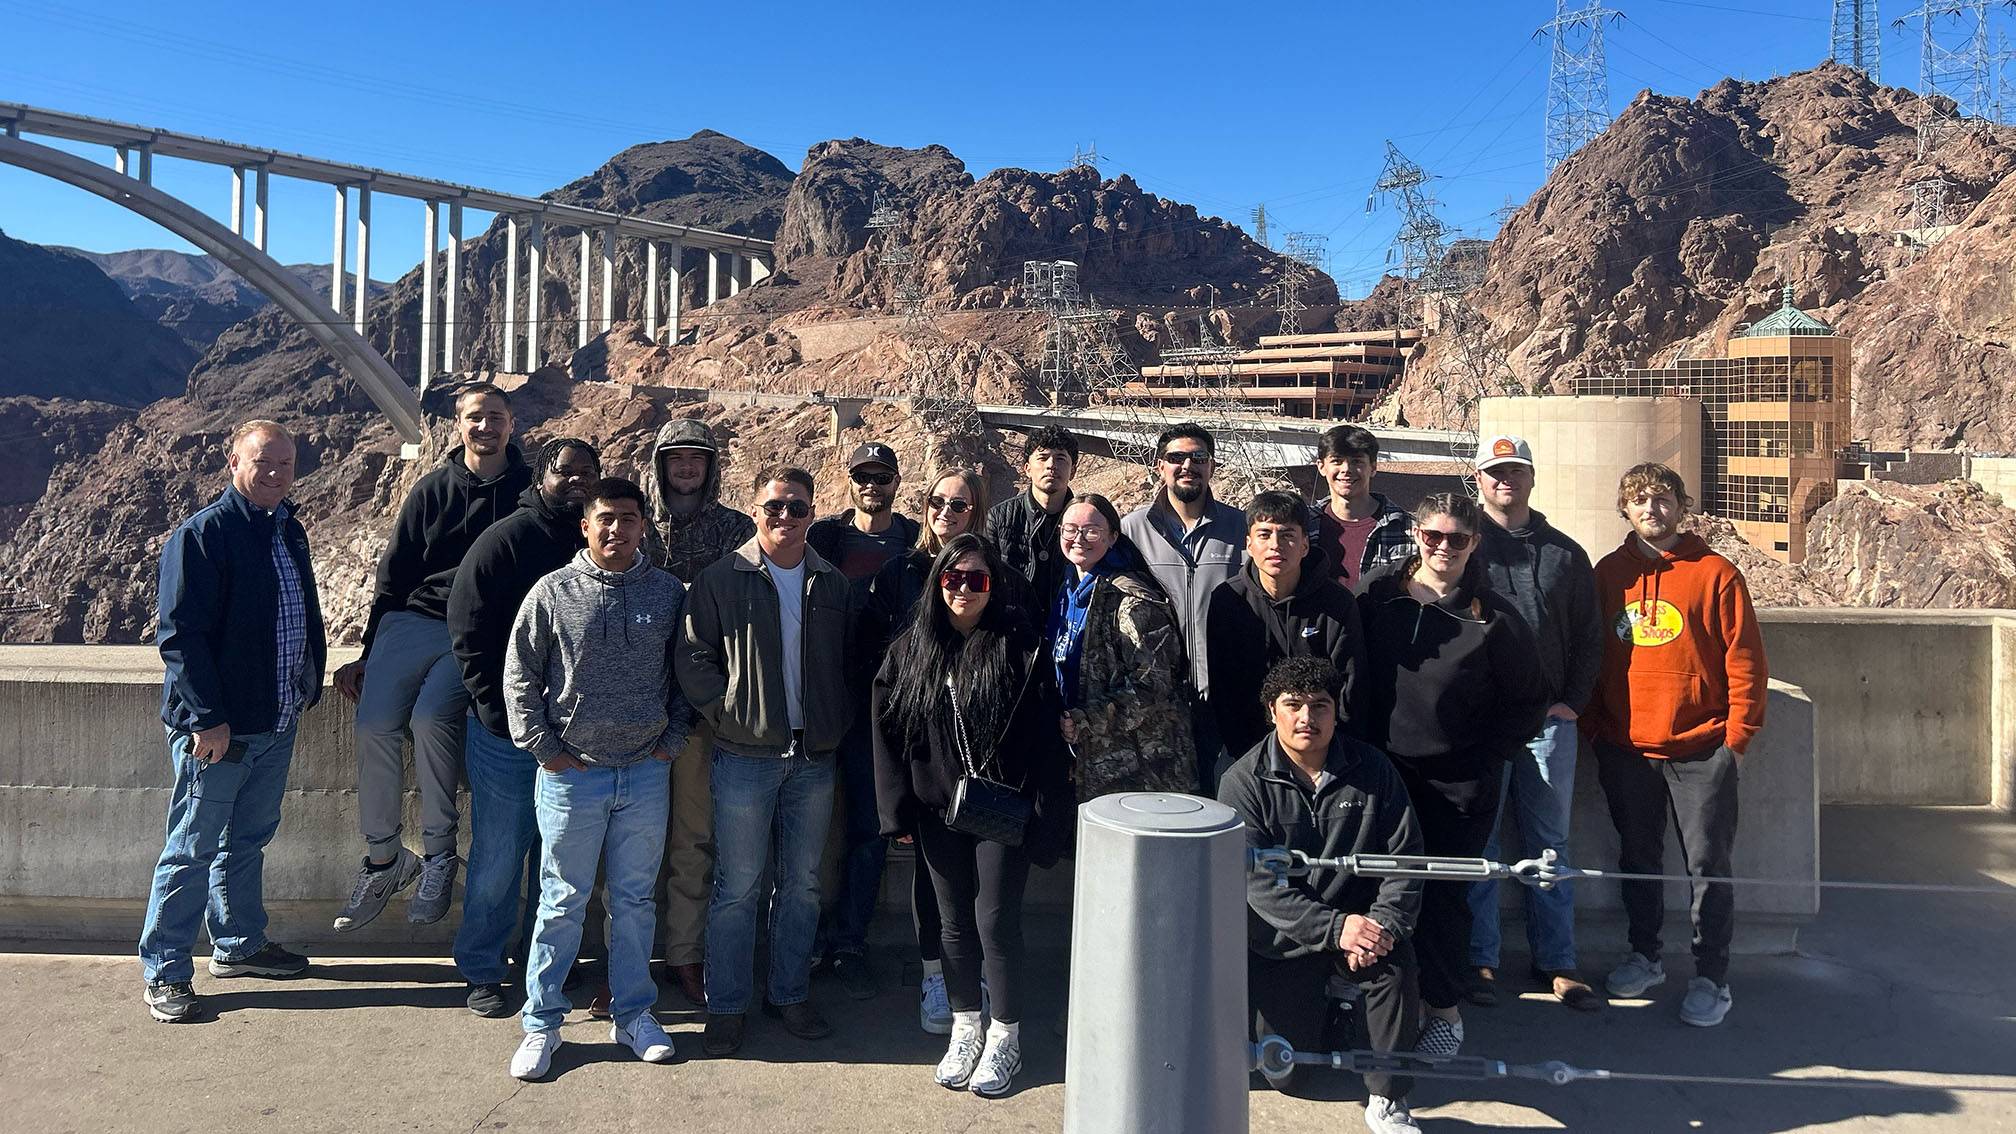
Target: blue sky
1224,106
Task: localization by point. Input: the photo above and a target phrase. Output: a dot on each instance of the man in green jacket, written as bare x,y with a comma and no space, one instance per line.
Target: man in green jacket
757,657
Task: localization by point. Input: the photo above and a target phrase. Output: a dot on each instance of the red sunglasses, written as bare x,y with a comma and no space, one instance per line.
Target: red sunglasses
978,582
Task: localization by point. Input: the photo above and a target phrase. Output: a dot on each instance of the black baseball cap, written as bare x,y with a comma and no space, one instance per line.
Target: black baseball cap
873,453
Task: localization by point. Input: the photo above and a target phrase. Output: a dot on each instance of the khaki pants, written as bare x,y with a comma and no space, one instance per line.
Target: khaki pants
689,852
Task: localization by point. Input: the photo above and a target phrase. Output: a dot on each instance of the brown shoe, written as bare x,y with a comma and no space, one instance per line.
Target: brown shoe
723,1035
1483,988
1569,989
691,981
598,1008
800,1019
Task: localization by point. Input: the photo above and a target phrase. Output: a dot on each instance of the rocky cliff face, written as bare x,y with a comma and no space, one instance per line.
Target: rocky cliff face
67,331
193,295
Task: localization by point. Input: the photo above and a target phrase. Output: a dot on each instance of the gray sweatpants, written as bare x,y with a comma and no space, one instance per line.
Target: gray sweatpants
411,680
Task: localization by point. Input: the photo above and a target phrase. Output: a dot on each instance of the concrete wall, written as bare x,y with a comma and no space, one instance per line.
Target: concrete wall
1914,706
1582,445
1996,474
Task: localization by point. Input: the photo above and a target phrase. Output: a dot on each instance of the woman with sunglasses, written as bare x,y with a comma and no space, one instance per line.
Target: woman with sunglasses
1454,692
965,693
1118,658
955,506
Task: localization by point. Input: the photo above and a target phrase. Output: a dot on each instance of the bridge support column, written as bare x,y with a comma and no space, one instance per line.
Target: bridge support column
511,295
237,200
608,278
735,265
581,297
534,257
449,359
146,164
259,209
339,258
713,277
651,290
122,160
673,300
758,271
363,257
431,226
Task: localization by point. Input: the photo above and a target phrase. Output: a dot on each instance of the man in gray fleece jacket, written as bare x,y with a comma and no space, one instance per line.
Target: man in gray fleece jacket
590,694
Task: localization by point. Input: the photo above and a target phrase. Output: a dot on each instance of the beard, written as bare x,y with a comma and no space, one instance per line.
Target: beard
1188,493
872,507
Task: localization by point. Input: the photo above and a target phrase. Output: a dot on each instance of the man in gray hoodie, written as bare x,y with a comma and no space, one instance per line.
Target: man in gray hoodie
590,694
690,531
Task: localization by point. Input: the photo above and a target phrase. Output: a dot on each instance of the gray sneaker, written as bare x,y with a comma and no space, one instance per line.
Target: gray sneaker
437,887
1634,976
1389,1116
373,888
1705,1003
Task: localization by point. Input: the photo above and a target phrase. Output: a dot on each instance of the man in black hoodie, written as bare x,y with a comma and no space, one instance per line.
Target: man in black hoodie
1307,787
1282,604
408,679
539,538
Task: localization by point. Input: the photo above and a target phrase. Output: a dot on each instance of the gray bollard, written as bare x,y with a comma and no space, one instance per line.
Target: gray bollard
1157,1041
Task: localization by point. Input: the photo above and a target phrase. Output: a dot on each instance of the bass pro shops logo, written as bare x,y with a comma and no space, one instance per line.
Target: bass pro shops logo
1649,623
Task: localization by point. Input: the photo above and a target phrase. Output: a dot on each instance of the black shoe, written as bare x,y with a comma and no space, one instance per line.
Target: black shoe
856,978
1568,988
800,1019
1483,988
723,1035
489,1000
270,961
172,1002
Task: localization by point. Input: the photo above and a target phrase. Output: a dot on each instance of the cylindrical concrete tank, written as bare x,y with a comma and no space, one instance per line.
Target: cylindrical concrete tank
1582,445
1157,1041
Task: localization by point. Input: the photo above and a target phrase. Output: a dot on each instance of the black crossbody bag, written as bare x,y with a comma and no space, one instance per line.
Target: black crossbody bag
981,807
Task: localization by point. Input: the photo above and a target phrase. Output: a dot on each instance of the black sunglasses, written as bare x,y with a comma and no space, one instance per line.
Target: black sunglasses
1192,456
958,506
778,509
867,476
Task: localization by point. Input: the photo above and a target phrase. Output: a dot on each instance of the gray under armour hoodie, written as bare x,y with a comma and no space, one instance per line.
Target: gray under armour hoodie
589,669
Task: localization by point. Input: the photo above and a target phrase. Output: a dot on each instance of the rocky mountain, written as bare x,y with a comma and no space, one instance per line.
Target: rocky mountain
68,331
1687,216
194,295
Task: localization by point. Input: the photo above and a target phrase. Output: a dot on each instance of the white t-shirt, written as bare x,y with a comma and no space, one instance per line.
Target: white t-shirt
790,586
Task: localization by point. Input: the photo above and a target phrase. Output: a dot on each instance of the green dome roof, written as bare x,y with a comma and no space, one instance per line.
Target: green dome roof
1787,320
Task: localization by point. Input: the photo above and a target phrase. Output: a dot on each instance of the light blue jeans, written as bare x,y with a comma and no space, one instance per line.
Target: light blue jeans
616,816
220,818
760,801
1539,793
503,831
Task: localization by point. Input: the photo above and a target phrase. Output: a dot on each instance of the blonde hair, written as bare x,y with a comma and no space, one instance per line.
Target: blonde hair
1651,478
256,425
976,488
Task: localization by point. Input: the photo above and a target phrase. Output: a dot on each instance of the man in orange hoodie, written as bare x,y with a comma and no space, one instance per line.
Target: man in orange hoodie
1679,699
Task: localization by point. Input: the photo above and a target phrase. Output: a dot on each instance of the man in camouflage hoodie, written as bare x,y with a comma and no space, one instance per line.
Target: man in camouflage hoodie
689,530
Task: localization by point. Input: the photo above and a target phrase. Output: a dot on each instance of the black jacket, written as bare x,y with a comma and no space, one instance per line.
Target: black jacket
891,602
1249,632
442,516
914,774
1453,679
1027,537
219,597
824,537
1547,578
511,555
1362,810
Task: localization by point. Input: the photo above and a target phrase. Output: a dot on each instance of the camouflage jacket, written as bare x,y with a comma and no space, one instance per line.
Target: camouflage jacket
1133,721
688,546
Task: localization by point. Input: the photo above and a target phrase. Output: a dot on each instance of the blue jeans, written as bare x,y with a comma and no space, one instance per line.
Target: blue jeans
1539,793
503,832
865,851
760,801
616,816
220,818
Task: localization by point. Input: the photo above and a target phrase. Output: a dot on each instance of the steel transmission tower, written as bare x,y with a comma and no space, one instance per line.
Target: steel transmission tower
1578,77
1302,253
1858,37
1260,225
1955,63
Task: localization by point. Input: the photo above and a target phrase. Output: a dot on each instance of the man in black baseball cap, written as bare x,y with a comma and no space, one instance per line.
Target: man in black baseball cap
859,541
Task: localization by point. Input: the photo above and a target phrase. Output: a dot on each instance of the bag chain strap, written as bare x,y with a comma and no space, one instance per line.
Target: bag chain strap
959,728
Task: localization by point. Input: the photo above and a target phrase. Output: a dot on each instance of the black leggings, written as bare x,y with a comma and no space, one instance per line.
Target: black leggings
1456,802
979,885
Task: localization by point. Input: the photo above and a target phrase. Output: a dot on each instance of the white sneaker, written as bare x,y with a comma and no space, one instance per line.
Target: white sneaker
1705,1003
1389,1116
646,1037
962,1056
534,1054
1634,976
1440,1037
934,1010
997,1068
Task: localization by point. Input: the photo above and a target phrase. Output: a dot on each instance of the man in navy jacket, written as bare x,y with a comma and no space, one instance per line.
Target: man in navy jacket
241,639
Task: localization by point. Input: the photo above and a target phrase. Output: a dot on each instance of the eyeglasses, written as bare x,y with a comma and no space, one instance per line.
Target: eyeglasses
1188,456
778,509
1457,541
869,476
956,580
957,505
1070,532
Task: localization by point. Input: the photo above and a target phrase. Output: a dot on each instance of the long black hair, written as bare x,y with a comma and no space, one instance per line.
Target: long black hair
979,664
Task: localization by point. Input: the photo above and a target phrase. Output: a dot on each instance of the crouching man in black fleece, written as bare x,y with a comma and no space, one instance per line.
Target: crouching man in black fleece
1308,787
